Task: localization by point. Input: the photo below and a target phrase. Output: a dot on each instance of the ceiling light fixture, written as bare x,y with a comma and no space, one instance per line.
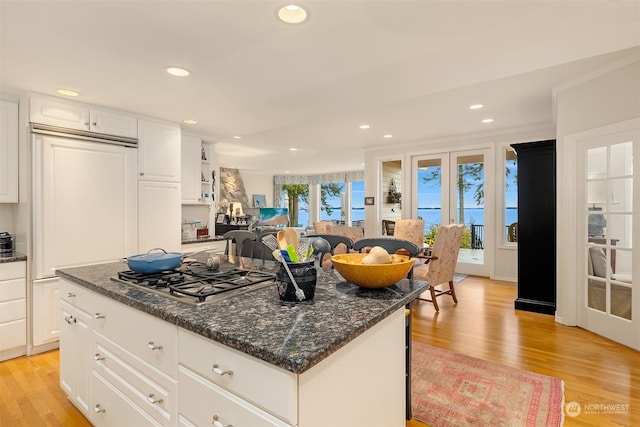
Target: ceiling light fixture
487,121
293,149
292,14
475,106
190,122
387,136
178,71
237,137
68,92
364,126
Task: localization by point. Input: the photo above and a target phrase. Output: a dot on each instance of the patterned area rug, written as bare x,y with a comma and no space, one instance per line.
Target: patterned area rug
451,390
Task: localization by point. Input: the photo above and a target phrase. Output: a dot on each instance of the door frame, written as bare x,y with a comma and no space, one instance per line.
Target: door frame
570,243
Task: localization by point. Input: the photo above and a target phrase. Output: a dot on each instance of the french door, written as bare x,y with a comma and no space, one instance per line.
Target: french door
450,188
608,302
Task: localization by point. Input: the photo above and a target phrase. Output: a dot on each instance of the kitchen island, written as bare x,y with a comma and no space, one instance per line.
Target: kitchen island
336,360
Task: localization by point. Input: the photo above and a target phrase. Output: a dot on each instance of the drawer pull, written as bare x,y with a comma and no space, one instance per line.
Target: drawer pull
98,316
152,346
98,409
216,370
70,319
98,357
153,401
71,295
217,423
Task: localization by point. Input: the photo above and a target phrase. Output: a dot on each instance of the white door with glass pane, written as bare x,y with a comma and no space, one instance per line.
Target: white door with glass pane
608,304
450,188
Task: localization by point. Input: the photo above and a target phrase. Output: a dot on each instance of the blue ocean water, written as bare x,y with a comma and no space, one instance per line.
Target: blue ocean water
431,216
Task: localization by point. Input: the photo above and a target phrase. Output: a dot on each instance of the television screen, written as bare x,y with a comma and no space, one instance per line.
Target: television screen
273,216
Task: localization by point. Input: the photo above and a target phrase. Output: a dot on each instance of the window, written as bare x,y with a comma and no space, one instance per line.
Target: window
331,202
357,203
511,196
295,197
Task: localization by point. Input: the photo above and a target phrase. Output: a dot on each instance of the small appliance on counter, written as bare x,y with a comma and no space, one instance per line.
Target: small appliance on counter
6,243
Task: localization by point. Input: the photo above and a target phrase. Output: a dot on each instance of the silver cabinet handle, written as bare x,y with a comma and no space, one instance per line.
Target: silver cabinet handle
71,295
216,423
98,316
152,400
216,370
141,173
152,346
98,409
98,357
70,319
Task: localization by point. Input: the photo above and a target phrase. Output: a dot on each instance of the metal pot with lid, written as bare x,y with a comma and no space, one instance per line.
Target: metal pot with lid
6,243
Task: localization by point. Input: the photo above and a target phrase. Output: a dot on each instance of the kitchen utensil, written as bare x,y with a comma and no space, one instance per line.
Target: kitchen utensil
282,240
285,255
277,255
293,256
270,241
304,249
320,247
155,262
292,238
299,292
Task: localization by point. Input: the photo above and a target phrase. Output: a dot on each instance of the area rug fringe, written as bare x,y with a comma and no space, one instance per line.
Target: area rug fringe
452,390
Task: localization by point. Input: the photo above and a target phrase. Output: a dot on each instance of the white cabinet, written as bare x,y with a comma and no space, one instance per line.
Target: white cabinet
13,309
8,151
77,116
134,369
46,311
158,151
159,216
75,344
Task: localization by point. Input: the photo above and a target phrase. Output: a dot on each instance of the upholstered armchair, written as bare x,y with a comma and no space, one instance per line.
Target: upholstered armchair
440,266
411,230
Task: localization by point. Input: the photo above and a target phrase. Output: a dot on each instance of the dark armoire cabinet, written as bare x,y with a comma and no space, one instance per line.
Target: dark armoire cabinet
536,226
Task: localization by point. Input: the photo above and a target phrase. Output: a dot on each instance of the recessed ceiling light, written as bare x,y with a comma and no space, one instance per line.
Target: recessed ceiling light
68,92
387,136
178,71
190,122
237,137
476,106
364,126
293,149
487,121
292,14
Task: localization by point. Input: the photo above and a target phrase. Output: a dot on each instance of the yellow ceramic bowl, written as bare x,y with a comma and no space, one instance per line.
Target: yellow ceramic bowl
371,275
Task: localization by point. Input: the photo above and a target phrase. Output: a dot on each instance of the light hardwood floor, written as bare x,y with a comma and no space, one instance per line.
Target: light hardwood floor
484,325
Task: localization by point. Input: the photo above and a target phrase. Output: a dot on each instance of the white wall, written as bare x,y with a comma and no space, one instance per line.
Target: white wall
258,183
604,99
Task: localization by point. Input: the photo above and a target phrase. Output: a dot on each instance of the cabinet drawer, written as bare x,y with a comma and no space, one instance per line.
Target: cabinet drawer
147,337
13,289
13,310
112,408
13,334
76,295
147,387
267,386
13,270
221,406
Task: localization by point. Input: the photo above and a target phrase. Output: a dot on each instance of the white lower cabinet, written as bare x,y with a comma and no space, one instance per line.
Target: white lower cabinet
13,310
46,311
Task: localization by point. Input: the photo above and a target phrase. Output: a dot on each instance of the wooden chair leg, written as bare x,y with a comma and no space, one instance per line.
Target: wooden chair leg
453,292
433,297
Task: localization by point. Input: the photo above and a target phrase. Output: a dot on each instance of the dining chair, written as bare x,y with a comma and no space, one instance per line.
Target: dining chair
391,245
440,265
338,244
239,237
512,232
411,230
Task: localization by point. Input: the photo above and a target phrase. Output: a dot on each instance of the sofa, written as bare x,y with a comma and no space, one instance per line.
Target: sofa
597,295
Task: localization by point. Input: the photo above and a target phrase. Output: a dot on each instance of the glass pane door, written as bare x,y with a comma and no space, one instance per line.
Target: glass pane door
608,301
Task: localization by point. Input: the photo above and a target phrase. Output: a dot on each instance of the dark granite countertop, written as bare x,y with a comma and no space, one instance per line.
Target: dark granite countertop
12,257
293,336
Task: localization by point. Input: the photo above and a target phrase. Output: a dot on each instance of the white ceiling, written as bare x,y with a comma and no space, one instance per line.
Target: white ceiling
407,68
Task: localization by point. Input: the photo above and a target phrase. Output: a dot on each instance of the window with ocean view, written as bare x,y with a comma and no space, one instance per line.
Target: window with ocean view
511,197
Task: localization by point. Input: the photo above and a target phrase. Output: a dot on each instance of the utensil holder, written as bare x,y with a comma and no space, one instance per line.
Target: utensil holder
305,275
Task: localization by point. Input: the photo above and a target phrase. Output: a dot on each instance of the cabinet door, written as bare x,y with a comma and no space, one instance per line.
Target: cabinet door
111,123
46,310
8,152
59,113
158,151
159,216
191,169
